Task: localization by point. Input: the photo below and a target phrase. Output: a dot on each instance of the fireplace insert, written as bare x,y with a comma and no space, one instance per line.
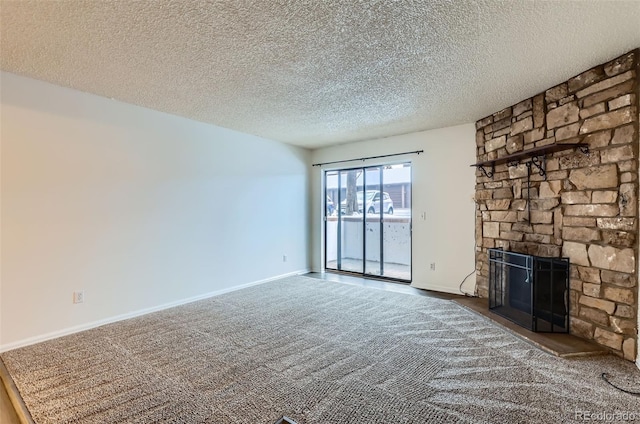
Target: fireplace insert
531,291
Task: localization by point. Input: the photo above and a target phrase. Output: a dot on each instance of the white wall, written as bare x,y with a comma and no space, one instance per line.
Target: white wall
443,187
137,208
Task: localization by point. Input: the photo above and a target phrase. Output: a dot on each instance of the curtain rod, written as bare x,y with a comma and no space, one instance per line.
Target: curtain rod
416,152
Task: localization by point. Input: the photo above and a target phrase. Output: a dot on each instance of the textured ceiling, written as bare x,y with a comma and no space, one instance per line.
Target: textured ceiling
314,73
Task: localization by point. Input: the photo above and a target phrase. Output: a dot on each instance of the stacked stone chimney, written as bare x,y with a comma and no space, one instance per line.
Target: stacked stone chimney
586,208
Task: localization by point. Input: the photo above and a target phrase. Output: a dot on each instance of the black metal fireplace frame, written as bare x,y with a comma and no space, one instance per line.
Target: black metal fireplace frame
539,310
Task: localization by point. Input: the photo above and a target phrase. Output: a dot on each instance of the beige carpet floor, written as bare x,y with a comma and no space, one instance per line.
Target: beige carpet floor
317,352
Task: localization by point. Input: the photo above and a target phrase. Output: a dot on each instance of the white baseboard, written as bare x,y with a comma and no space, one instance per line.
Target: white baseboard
94,324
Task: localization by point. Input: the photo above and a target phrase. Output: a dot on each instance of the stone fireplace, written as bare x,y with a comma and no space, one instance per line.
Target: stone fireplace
584,208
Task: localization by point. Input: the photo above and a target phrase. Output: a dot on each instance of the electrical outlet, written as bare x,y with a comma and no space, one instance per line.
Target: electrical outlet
78,297
433,266
284,258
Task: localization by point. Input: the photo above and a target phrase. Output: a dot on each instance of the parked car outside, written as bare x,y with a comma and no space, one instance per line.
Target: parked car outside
373,202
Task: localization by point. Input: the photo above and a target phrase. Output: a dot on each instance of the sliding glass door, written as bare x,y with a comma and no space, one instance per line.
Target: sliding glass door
368,221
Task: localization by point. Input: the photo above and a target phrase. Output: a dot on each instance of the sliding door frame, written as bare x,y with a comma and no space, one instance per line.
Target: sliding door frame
364,273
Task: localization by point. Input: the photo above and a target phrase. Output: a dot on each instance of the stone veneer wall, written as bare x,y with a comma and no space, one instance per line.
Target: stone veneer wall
586,209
